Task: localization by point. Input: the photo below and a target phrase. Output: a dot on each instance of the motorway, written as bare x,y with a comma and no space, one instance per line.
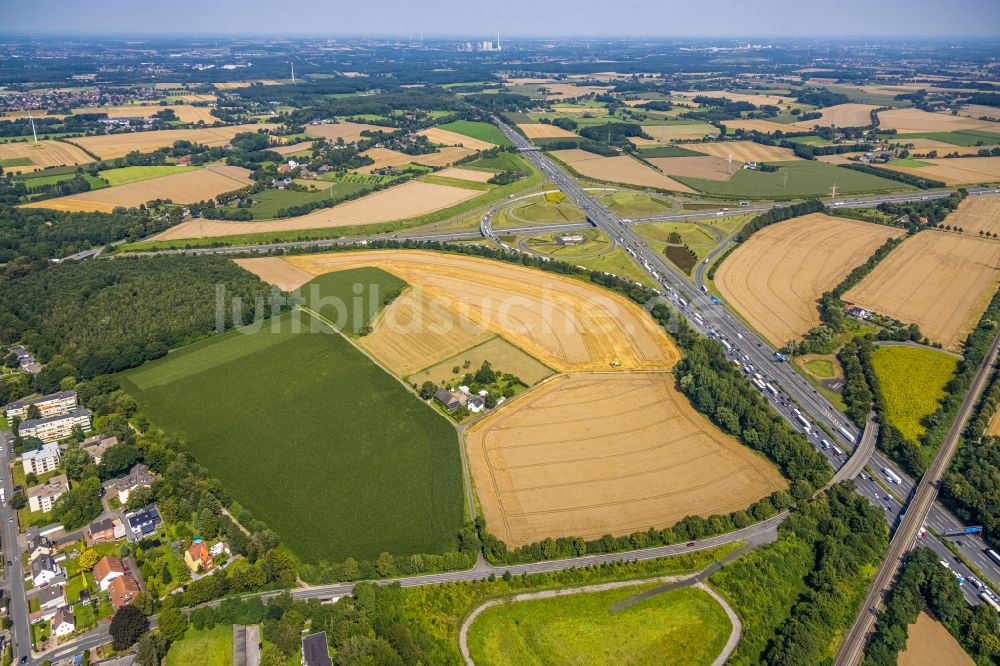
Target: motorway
852,649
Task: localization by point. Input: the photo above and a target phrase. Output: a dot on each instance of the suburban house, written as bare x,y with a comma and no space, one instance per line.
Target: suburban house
96,446
104,530
198,558
315,651
142,523
475,404
138,477
54,428
44,495
106,570
41,460
447,398
122,590
43,570
63,624
37,544
51,597
54,404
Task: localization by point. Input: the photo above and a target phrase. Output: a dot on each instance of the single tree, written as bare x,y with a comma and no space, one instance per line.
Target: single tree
173,624
127,625
88,559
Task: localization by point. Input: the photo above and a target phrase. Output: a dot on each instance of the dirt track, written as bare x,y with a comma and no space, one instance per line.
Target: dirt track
775,278
942,281
594,454
567,324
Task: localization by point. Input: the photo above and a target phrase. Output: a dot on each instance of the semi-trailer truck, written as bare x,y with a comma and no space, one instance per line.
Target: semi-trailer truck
846,433
891,476
805,424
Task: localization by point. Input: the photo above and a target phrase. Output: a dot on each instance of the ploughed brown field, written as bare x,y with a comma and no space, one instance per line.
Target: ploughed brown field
181,188
709,166
775,278
593,454
411,199
941,280
566,324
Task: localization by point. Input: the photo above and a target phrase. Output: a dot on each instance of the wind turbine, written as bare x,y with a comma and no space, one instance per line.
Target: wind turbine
833,193
729,168
33,133
293,73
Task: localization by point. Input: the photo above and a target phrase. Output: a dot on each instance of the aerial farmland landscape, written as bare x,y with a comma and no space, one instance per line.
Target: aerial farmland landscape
555,334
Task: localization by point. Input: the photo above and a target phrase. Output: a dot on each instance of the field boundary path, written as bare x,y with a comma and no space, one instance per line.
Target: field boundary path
670,583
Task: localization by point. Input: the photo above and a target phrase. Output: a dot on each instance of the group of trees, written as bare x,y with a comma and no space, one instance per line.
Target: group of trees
922,584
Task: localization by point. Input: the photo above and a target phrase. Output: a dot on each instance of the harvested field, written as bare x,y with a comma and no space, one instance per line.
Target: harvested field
182,188
956,171
668,133
345,129
710,166
915,120
386,157
764,126
588,455
465,174
756,100
411,199
446,138
276,271
416,331
581,110
502,355
922,146
292,148
746,151
842,115
775,278
977,214
184,112
568,90
42,155
544,131
564,323
621,169
110,146
979,111
930,644
942,281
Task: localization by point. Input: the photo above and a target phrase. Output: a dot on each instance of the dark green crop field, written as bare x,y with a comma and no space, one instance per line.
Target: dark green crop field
308,434
478,130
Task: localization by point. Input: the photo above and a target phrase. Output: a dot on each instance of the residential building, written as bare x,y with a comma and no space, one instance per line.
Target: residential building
475,404
198,558
50,598
41,460
315,651
106,570
447,398
142,523
122,590
104,530
43,570
54,404
44,495
96,446
54,428
138,477
37,543
63,624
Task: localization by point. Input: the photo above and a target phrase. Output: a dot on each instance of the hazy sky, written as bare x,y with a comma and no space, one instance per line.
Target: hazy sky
667,18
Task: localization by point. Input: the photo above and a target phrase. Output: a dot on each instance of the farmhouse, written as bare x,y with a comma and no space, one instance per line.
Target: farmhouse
54,428
448,399
106,570
315,651
54,404
41,460
64,624
198,558
43,496
122,590
142,523
104,530
43,570
138,477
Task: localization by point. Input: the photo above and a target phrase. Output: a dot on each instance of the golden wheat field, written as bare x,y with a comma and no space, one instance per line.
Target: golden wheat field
44,154
111,146
620,169
448,138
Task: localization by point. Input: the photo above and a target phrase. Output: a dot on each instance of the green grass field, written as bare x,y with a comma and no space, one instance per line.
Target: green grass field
913,381
633,204
15,162
541,210
477,130
806,178
620,263
133,174
595,242
351,299
333,453
958,138
266,204
821,368
208,647
682,626
667,151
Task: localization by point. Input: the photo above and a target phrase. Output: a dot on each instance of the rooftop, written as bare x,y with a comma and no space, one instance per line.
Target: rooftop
34,401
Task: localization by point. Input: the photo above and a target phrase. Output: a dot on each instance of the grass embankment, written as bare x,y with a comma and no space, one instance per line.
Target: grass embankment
912,381
329,450
683,626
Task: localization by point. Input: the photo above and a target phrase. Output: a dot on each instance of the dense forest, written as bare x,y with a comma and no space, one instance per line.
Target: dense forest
97,317
923,584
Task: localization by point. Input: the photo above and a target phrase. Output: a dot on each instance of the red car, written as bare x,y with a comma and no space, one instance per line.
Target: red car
690,543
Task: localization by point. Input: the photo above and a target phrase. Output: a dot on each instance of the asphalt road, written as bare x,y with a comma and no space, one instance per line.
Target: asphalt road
13,583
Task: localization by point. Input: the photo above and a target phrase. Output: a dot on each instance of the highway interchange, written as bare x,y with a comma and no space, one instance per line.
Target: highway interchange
793,392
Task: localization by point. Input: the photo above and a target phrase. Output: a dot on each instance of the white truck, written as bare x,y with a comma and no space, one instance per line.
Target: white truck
891,476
